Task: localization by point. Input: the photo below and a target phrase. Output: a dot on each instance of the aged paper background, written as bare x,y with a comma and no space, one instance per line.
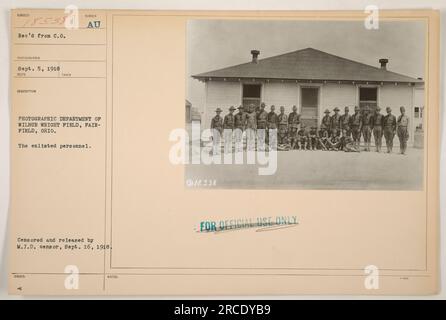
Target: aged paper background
124,191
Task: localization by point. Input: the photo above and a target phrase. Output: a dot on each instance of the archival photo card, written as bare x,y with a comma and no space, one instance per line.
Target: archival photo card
308,162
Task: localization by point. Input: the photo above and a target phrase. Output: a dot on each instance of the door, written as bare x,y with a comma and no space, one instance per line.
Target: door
309,105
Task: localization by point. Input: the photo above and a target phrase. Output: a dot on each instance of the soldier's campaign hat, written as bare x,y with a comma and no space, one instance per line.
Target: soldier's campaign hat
388,109
240,107
402,108
336,109
327,111
346,109
218,110
231,108
356,108
378,108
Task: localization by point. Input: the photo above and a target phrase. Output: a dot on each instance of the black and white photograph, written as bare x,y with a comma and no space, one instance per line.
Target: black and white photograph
317,104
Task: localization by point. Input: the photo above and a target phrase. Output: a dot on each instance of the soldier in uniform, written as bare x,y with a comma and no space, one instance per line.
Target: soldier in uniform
326,121
335,142
324,140
228,127
262,118
319,143
229,120
217,130
356,127
272,124
239,127
293,127
402,129
240,118
261,107
389,124
283,126
302,138
367,127
344,122
335,122
348,145
313,138
377,121
251,127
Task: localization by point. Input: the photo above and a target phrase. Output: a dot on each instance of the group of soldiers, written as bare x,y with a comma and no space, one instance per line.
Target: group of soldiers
336,132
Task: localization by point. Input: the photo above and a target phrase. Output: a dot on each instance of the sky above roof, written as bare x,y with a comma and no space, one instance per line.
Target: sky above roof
216,44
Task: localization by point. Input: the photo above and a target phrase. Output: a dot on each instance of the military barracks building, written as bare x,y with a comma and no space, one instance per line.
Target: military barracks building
312,80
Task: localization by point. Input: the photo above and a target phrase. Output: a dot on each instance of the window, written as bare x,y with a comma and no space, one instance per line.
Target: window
251,95
418,112
368,97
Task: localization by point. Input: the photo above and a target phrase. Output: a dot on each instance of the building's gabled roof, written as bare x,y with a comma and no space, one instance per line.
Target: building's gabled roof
308,64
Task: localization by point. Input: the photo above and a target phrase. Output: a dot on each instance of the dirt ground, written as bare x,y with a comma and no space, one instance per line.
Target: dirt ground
318,170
